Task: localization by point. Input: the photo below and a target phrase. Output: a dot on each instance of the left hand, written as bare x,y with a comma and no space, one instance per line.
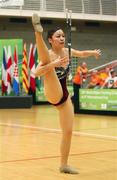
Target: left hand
61,62
97,53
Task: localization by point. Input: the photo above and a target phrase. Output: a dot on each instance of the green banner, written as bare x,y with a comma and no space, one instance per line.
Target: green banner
12,43
98,99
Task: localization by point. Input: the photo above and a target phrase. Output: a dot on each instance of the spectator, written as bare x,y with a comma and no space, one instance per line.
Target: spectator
78,80
104,75
94,80
111,82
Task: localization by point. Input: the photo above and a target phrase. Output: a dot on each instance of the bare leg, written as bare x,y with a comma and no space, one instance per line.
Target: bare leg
66,116
42,48
66,122
52,87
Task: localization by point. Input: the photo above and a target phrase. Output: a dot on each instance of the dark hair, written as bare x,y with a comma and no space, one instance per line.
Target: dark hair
52,31
112,71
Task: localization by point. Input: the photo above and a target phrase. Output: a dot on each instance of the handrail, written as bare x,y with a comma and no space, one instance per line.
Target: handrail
91,7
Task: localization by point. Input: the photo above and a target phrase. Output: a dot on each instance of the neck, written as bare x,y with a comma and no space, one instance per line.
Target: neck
57,50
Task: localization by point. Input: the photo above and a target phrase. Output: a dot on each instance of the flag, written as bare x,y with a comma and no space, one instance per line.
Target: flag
4,72
9,71
37,79
25,84
15,73
32,86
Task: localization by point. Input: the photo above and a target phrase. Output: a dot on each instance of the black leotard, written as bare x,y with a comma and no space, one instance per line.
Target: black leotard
62,75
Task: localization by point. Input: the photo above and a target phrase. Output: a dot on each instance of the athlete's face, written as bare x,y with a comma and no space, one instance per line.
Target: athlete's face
58,39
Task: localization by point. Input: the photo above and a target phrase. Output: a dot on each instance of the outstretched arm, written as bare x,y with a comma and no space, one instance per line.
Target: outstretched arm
87,53
43,69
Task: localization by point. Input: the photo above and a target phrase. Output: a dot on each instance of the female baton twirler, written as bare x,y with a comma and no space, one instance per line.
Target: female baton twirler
52,66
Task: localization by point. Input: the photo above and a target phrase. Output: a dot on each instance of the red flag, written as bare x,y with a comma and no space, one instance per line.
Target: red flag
9,70
25,70
4,72
32,86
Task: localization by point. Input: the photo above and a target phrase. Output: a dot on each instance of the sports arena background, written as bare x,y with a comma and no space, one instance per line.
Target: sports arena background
94,24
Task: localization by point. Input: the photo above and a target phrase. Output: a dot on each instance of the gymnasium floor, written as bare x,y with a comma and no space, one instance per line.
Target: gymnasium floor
30,139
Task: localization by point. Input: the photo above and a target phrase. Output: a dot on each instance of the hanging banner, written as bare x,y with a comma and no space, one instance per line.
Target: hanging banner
98,99
5,3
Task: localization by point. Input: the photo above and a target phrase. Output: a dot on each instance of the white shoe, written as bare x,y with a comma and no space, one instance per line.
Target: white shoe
36,23
68,170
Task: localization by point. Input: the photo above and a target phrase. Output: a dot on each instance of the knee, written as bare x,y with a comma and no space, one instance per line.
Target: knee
68,132
53,98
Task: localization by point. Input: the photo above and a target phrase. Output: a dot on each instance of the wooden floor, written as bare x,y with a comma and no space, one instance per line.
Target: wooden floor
30,139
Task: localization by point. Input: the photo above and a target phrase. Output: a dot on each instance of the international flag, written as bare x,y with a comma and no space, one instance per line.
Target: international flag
25,84
32,85
15,73
4,72
9,71
38,79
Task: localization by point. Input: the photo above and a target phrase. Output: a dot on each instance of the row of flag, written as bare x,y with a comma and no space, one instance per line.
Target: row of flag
11,73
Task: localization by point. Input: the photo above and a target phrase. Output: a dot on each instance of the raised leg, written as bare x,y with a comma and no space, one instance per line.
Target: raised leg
52,87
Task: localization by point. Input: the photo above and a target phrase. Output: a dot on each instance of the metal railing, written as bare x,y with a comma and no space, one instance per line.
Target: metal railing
98,7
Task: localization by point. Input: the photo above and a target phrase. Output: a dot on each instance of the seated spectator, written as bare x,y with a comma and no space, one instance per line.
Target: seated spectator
94,80
104,75
111,82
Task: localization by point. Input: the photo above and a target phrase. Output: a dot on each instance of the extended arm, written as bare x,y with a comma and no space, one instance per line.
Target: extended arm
86,53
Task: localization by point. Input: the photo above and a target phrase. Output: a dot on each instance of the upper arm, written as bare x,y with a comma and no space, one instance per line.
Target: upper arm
76,53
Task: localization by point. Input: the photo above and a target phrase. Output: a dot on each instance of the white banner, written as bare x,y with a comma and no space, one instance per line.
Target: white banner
5,3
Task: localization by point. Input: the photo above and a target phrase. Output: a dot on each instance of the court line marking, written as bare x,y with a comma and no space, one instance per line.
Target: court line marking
76,133
57,156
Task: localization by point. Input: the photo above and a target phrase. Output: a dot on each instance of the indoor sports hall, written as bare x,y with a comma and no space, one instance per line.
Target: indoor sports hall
58,105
